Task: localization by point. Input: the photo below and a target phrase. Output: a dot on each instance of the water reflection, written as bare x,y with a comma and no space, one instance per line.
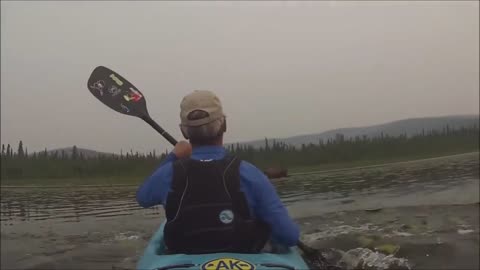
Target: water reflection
68,205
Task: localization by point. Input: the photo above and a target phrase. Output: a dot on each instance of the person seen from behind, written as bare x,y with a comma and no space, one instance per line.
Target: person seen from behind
214,202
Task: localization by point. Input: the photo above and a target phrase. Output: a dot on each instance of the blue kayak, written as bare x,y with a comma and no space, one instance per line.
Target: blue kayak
154,259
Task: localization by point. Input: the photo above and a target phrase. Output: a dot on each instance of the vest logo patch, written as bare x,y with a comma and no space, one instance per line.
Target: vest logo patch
227,264
226,216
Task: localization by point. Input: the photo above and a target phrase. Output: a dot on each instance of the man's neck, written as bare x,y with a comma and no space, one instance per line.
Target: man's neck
218,142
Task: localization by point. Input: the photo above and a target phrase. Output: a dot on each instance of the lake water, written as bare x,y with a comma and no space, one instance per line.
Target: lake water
427,210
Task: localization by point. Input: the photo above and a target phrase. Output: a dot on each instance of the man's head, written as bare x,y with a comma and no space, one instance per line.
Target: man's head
202,118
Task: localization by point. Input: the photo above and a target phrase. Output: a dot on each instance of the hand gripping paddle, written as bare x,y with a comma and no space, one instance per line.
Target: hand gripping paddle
122,96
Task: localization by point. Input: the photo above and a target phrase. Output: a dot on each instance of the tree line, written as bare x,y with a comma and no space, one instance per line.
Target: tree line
361,148
18,163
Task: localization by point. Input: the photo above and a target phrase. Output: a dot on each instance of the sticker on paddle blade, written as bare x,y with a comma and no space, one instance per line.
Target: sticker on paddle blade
134,95
99,86
227,264
115,79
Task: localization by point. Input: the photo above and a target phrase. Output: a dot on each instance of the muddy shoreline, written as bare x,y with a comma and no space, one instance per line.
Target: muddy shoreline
429,237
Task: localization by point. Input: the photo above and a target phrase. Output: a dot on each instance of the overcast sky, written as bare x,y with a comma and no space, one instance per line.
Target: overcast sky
280,68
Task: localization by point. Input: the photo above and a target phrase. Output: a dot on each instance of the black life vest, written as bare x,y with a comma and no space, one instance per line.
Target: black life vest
206,211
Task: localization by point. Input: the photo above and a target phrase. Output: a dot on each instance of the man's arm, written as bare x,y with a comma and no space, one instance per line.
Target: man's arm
269,207
156,186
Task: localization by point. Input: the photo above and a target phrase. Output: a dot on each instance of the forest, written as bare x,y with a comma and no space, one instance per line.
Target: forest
17,163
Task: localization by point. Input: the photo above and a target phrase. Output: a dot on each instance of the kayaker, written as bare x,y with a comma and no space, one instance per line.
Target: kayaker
213,201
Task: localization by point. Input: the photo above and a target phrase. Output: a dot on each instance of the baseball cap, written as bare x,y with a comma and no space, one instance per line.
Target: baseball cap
200,100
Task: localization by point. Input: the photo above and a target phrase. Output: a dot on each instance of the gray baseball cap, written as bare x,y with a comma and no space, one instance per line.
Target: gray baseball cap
201,100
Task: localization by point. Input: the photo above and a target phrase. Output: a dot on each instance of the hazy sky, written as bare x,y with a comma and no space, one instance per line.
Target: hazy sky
280,68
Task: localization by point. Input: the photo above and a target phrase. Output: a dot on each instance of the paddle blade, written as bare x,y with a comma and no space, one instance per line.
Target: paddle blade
116,92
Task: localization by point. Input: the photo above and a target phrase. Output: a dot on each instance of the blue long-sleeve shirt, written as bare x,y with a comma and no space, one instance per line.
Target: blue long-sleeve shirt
261,196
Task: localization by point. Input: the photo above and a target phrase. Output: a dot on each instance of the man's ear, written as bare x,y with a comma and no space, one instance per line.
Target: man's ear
223,128
185,135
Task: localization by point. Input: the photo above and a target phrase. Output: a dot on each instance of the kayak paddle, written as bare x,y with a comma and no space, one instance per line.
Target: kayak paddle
120,95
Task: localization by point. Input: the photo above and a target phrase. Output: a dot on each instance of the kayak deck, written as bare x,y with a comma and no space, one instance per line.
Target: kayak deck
154,259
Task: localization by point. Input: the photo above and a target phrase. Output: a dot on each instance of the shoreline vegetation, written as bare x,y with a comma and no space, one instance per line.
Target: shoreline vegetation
131,182
62,169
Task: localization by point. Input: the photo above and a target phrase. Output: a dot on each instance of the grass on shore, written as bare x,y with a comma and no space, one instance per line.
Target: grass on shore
361,163
65,182
135,181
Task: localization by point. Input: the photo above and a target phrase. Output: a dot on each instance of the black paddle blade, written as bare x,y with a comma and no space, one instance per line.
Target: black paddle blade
116,92
315,259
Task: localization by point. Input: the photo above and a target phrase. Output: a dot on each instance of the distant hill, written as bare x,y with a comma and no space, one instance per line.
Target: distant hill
411,127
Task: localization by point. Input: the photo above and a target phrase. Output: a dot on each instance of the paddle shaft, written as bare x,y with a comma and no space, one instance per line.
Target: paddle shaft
159,129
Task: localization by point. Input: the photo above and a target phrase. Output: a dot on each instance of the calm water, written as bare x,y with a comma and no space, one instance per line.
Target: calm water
75,228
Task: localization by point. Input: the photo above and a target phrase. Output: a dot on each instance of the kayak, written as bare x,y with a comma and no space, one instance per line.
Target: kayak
154,259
